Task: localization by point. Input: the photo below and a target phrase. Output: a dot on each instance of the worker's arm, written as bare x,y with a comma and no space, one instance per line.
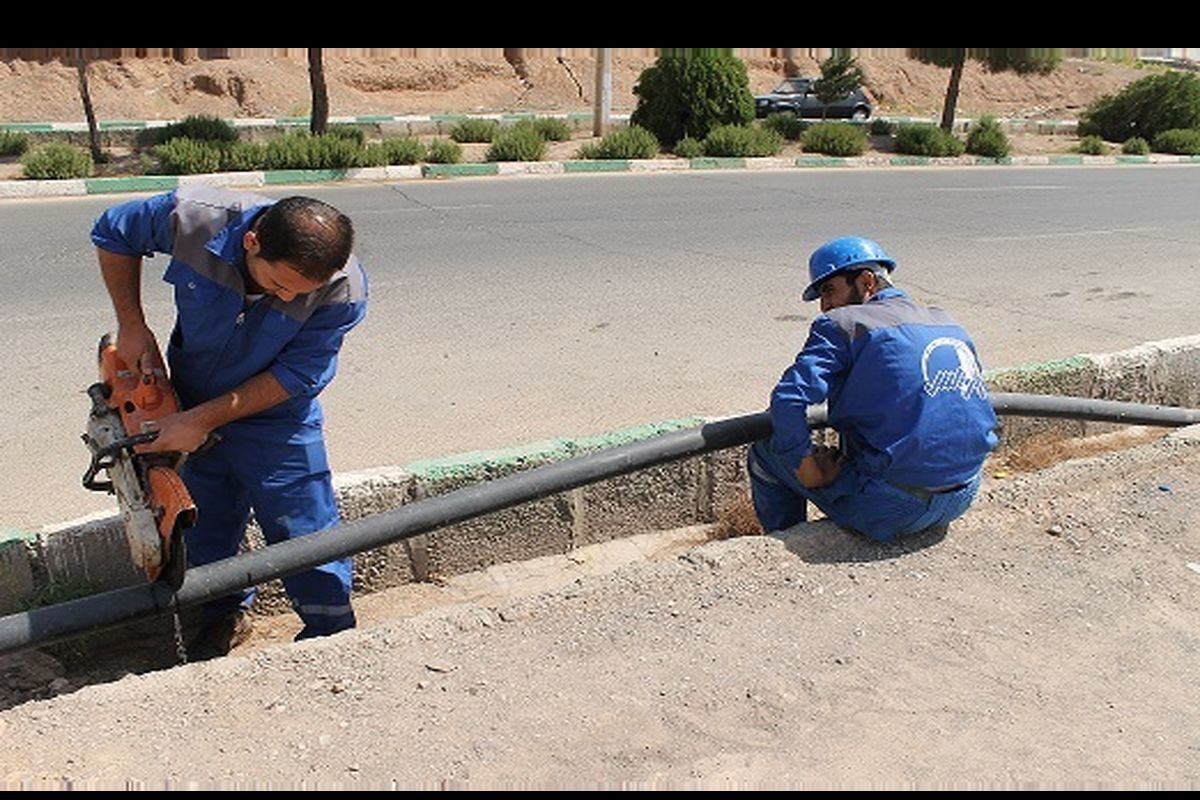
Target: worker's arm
186,431
123,235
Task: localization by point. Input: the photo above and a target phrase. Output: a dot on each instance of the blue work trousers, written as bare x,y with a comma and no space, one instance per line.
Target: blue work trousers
854,500
288,486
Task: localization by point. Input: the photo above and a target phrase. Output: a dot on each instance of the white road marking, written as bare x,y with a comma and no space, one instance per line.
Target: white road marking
1063,234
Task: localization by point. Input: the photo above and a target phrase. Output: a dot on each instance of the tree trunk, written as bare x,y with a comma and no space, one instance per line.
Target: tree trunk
86,95
790,68
515,56
956,72
320,95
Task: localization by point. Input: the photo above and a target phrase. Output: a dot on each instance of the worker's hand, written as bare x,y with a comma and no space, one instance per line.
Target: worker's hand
176,433
820,468
138,348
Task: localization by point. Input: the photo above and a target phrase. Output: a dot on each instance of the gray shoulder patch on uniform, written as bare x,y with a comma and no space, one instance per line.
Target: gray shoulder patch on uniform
201,212
348,285
857,320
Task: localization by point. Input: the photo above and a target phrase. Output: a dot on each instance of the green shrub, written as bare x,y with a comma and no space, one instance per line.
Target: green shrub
518,143
1145,108
588,151
373,155
687,147
553,129
786,124
347,131
987,138
403,150
881,127
243,157
56,161
188,157
835,139
742,141
690,94
1181,141
197,127
926,139
12,143
443,151
1092,146
475,130
302,151
631,142
1135,146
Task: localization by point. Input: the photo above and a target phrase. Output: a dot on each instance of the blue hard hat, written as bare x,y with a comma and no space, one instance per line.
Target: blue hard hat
841,255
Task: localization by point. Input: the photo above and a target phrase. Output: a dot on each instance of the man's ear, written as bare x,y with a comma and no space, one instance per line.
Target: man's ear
250,242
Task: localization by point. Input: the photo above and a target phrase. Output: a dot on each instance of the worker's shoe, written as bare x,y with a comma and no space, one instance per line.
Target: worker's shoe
217,638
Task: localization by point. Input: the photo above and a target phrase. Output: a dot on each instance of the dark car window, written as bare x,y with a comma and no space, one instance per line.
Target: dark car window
792,87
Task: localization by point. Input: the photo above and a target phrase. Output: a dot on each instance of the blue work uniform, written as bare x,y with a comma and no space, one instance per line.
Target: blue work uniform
905,392
273,462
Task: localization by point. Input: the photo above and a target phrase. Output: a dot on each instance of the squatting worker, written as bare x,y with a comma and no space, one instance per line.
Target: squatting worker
265,291
905,393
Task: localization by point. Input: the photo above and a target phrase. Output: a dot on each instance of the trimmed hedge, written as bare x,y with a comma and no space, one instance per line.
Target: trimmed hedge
1092,146
197,127
403,150
1145,108
987,138
56,161
927,139
786,124
518,143
443,151
882,127
188,157
687,147
553,129
1135,146
835,139
475,130
13,143
631,142
1181,141
742,141
303,151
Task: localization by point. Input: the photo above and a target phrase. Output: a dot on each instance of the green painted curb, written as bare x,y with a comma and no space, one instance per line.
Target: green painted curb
148,183
597,165
292,120
1066,160
1133,159
16,535
988,161
303,176
909,161
447,117
717,163
27,127
122,125
372,118
540,452
579,116
459,170
821,161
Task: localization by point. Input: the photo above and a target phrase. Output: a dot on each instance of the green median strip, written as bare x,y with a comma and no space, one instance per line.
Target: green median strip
27,127
459,170
597,165
820,161
143,184
1066,160
909,161
718,163
122,125
1133,159
304,176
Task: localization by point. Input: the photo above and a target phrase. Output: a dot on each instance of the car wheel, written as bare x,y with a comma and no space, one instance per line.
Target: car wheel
861,114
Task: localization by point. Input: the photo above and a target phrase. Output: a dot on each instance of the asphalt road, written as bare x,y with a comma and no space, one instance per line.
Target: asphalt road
504,311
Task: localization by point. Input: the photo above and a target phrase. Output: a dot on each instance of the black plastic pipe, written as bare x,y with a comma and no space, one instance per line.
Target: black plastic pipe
208,582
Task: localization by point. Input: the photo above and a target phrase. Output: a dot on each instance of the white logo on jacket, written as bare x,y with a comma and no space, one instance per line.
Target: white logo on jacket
957,369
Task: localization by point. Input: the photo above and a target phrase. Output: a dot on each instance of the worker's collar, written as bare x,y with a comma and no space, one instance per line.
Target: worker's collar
227,244
886,293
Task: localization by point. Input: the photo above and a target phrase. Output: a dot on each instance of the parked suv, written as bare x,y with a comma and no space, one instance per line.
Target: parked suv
796,95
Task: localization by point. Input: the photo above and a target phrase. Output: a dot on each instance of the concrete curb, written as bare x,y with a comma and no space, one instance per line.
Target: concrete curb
158,183
89,556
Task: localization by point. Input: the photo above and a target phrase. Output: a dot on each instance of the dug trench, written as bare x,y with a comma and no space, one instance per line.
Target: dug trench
150,646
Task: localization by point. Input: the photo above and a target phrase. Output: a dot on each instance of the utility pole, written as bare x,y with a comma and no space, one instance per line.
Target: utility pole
602,106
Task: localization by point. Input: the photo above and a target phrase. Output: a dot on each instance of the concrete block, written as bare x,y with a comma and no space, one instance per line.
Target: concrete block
658,498
86,558
16,575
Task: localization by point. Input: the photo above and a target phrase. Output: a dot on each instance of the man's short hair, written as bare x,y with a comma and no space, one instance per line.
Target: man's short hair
312,236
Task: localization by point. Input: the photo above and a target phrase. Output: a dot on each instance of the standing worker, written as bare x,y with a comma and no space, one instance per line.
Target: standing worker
905,392
265,291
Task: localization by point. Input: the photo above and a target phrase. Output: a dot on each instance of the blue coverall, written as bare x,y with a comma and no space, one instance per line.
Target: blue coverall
905,392
273,462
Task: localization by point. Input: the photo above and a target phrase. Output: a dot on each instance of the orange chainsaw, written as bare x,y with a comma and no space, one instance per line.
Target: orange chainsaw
155,505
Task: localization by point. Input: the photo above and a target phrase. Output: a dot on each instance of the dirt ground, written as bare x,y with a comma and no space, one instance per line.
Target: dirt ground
1047,641
142,89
